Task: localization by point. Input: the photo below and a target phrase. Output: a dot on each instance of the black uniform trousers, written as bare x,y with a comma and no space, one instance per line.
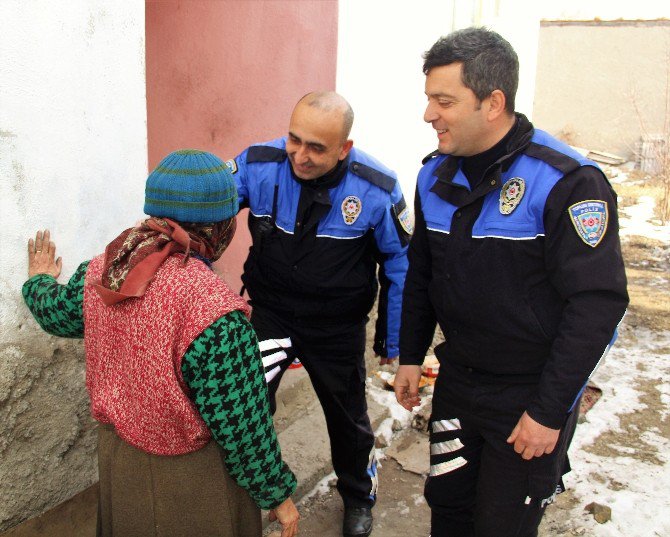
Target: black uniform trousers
478,485
333,356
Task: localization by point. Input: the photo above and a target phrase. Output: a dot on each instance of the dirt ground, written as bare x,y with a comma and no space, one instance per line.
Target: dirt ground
401,510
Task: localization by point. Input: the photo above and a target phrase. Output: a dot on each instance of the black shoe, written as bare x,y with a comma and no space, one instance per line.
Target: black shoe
357,522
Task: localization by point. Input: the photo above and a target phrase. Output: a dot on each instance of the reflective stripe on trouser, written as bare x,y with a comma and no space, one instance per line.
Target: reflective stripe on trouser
333,356
275,355
478,485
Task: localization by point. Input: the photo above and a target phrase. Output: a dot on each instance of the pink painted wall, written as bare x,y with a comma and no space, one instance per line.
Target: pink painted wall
222,74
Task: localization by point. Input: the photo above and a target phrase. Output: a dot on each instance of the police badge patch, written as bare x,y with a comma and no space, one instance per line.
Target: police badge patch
590,220
351,208
232,165
405,220
511,194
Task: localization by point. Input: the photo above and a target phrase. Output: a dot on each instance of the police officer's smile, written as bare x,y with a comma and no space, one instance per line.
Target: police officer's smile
316,141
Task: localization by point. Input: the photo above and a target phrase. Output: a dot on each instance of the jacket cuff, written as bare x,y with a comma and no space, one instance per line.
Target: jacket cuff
411,360
551,419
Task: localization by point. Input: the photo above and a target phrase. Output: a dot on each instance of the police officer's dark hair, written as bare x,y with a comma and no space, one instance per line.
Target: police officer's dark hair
489,62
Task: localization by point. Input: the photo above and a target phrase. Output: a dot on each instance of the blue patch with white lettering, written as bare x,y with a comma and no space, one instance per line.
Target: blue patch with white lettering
590,219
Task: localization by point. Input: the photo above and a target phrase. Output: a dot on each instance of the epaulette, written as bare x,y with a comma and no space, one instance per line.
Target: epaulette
377,178
430,156
265,153
562,162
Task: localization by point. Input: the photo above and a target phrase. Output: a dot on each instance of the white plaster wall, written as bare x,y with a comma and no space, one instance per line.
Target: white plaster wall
380,47
73,159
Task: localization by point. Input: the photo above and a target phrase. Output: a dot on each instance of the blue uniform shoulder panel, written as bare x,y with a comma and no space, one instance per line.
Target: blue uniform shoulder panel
265,153
377,178
367,167
561,156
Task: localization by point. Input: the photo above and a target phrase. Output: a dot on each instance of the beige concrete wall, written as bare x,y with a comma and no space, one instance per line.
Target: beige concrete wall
591,74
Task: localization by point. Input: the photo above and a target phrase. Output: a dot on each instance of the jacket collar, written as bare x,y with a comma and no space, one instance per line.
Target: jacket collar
451,184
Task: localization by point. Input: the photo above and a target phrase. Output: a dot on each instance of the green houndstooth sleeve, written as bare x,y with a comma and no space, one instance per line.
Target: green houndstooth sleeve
223,369
58,309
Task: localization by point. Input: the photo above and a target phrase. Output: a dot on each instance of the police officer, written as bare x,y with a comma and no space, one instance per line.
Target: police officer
323,215
516,256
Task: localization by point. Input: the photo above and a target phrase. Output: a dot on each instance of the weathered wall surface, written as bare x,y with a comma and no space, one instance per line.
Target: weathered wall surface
591,74
72,158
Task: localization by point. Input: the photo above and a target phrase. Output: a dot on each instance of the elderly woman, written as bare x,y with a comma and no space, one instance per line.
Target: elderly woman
186,444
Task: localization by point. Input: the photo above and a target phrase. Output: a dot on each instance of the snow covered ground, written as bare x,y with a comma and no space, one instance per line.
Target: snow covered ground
621,456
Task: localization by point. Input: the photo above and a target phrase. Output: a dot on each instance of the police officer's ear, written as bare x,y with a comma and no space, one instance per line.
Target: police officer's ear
496,105
346,147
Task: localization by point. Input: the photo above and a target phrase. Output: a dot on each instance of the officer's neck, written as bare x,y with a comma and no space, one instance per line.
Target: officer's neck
327,179
475,166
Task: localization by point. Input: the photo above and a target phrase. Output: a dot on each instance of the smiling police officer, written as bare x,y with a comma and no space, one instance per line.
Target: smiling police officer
323,216
516,255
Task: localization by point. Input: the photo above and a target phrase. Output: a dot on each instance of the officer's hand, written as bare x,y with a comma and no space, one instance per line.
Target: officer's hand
406,386
389,361
288,517
532,439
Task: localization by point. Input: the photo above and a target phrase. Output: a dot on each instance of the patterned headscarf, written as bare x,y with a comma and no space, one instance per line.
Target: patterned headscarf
133,258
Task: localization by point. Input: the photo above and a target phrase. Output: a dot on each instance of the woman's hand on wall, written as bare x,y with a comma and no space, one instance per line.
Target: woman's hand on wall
41,256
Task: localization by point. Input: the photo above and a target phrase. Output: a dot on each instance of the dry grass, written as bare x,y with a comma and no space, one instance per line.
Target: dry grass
640,184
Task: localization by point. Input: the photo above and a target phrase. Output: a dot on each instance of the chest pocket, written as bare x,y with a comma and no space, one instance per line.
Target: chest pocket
350,216
524,222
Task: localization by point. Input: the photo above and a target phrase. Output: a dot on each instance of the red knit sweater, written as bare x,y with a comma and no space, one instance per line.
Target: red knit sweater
134,351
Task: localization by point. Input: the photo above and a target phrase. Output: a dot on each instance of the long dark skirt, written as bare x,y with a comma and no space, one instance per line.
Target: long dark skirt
144,495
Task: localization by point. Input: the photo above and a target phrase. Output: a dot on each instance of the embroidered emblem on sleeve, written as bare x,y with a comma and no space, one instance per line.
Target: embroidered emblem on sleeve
232,165
405,220
511,194
351,208
590,220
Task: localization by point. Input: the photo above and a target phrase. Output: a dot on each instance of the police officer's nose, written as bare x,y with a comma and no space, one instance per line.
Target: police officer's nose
301,156
430,114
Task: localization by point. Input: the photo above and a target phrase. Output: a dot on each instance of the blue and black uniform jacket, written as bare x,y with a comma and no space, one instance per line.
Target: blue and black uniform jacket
520,297
316,245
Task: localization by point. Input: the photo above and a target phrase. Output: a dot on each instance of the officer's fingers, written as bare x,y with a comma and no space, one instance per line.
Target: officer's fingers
528,453
512,437
400,393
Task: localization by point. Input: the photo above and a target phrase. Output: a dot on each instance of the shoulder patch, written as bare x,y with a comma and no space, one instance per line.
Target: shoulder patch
377,178
430,156
558,160
232,165
590,220
265,153
402,218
